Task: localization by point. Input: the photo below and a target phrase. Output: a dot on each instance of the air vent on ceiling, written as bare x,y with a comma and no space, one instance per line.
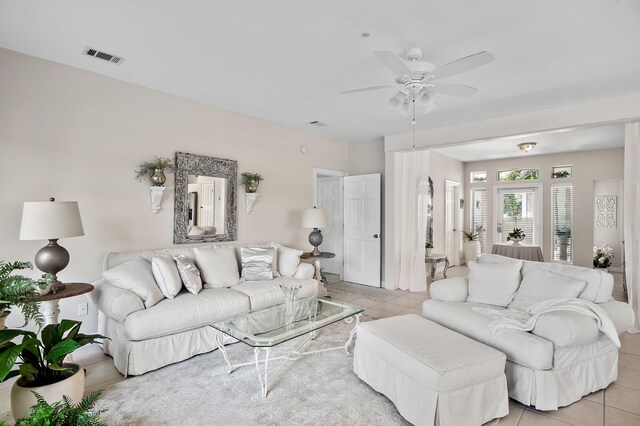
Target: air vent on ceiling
317,123
89,51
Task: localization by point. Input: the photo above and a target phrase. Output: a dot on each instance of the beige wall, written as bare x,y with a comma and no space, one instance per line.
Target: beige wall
588,167
366,157
441,169
79,136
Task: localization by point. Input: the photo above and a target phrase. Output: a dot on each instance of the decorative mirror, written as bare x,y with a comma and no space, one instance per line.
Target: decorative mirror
429,239
205,199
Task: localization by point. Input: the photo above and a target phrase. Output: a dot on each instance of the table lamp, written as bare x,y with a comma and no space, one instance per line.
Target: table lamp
315,218
51,220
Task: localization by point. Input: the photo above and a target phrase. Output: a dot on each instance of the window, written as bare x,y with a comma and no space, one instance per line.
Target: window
518,174
562,221
559,172
478,177
518,206
479,216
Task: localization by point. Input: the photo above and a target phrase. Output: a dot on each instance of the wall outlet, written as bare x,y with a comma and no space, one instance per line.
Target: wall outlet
83,309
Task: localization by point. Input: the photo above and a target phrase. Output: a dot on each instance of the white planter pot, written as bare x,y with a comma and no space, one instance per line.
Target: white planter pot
471,250
22,398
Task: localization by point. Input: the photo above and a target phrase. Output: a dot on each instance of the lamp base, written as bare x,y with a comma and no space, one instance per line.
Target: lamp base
315,239
52,259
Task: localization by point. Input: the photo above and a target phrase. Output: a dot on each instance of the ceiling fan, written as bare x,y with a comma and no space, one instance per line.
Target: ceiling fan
417,79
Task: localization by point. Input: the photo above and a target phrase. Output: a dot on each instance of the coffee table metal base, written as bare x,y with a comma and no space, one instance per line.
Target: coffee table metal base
263,373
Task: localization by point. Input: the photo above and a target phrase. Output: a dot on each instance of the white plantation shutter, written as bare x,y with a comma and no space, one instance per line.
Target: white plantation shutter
479,216
562,222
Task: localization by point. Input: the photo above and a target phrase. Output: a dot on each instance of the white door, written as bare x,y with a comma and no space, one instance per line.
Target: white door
362,229
329,194
452,222
206,205
518,206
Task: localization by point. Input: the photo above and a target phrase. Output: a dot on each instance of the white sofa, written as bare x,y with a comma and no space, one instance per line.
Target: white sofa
564,357
144,339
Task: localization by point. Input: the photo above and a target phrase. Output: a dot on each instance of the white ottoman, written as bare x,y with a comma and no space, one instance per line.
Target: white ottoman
433,375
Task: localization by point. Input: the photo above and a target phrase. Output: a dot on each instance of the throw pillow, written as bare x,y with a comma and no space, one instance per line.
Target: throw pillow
218,266
135,275
539,285
288,260
493,283
189,274
167,276
257,263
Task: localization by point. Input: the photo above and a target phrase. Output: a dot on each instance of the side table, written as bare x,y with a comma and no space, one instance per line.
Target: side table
50,303
316,264
433,260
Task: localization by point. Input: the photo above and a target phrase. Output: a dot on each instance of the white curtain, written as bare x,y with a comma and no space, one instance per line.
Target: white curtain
632,216
410,226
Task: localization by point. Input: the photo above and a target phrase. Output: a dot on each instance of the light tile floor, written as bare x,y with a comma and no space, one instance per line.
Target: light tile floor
618,405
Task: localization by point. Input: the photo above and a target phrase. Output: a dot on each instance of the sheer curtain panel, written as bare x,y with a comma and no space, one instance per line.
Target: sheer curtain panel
632,215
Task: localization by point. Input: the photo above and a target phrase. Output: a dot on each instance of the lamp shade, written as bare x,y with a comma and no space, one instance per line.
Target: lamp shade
314,218
47,220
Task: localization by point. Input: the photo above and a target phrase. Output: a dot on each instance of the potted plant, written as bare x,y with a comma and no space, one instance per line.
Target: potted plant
154,170
251,181
63,413
602,257
471,245
516,236
428,247
41,368
20,291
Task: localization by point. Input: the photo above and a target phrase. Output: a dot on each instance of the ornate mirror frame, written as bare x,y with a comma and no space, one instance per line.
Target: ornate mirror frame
193,164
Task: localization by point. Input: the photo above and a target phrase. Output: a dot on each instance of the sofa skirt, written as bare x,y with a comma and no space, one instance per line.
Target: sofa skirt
551,389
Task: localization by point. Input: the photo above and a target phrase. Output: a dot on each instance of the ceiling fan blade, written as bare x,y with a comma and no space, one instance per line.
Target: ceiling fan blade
463,64
454,89
394,62
366,89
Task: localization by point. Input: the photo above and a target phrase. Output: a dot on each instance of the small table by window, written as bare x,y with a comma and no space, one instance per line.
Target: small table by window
520,251
50,302
433,260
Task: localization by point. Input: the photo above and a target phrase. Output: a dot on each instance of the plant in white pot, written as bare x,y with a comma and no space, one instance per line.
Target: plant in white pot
471,245
516,236
42,368
21,292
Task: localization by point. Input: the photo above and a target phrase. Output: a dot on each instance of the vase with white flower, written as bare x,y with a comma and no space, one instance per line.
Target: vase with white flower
602,256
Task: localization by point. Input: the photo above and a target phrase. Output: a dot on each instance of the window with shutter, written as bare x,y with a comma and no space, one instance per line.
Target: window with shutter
479,216
562,222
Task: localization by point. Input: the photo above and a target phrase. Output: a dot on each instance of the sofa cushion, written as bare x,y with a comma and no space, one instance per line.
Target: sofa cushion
189,274
539,285
263,294
167,276
185,312
135,275
520,347
493,283
218,266
288,260
257,263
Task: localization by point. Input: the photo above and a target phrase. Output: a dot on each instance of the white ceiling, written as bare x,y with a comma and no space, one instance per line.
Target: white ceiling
286,60
583,139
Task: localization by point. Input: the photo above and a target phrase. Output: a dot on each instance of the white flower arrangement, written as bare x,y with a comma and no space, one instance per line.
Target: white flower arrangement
602,256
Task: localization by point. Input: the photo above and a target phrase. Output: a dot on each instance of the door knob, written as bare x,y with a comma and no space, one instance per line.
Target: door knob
375,235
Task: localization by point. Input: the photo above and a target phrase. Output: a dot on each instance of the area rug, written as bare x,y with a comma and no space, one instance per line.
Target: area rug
316,389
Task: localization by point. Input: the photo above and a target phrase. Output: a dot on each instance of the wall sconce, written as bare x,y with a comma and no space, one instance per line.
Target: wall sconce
249,200
156,197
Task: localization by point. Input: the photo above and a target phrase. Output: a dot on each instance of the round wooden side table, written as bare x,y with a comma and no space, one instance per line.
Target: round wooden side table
50,303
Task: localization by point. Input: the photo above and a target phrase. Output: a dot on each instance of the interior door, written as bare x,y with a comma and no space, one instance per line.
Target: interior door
518,207
452,222
362,229
329,195
206,204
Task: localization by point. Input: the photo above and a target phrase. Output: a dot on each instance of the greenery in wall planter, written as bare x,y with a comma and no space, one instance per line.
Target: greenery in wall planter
154,170
251,181
64,413
20,291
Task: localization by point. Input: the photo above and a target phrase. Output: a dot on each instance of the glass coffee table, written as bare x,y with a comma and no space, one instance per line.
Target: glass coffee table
266,328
